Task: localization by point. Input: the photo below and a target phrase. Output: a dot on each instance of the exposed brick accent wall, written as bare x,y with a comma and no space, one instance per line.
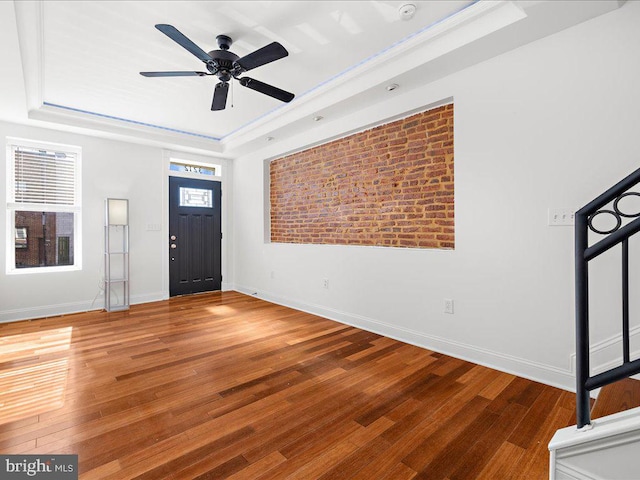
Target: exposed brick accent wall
388,186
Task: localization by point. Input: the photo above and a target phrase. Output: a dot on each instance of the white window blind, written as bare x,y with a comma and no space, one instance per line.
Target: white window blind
44,176
44,207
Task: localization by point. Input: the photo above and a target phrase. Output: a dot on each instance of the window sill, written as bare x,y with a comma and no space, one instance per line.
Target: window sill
33,270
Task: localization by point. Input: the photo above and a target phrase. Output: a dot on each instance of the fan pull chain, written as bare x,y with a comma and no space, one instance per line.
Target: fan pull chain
231,94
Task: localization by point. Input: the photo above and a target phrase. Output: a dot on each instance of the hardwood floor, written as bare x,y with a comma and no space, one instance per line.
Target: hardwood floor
617,397
225,385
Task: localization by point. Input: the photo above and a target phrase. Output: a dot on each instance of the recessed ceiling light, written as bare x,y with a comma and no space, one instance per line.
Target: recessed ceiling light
407,11
317,118
270,138
392,87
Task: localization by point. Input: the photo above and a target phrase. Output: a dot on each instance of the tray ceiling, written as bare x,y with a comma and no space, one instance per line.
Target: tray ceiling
81,59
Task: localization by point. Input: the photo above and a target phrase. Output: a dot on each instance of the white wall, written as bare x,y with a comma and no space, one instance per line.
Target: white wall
549,125
109,169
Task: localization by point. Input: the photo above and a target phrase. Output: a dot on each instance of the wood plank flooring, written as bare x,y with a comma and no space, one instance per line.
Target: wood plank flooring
617,397
225,385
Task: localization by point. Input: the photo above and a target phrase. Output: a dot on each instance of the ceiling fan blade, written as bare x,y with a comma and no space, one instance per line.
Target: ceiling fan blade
174,34
174,74
220,96
270,90
267,54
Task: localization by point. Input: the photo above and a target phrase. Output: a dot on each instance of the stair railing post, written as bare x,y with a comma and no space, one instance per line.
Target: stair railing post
583,405
626,358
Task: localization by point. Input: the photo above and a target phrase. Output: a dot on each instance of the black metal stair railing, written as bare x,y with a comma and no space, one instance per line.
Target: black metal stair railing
617,235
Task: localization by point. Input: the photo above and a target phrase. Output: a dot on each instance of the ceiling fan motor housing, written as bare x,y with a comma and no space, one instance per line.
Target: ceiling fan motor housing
224,60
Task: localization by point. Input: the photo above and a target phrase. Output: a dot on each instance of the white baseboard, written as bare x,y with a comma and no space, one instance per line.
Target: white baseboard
44,311
147,298
607,354
547,374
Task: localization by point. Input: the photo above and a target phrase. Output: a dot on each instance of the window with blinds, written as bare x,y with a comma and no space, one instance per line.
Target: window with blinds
44,176
43,200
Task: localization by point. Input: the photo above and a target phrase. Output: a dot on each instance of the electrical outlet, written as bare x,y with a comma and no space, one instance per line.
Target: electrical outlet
448,305
325,283
560,217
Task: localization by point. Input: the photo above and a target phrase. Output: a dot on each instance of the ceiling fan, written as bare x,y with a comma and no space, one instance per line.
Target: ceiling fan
227,65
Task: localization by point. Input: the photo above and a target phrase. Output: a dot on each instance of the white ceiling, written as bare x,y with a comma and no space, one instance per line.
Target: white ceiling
76,64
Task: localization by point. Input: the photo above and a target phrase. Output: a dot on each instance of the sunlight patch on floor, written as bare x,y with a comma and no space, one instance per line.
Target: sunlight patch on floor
222,310
33,373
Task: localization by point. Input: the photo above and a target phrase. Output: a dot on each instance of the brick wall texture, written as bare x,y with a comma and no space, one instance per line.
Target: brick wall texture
389,186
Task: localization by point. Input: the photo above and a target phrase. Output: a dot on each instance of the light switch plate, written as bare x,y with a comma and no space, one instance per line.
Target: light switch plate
558,217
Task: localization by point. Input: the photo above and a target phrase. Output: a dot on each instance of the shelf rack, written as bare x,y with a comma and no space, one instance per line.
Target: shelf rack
116,255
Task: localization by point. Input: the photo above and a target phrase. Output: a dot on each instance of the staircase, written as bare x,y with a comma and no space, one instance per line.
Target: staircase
610,448
605,443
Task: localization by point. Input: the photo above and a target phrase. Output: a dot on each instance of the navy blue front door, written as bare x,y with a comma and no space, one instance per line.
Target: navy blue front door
195,235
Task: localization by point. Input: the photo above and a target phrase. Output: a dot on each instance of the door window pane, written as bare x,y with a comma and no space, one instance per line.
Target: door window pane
196,197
